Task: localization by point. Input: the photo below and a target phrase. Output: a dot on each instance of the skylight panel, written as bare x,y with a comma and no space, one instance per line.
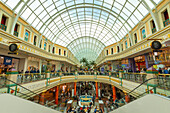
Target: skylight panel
134,2
138,15
117,5
50,8
124,16
127,26
26,13
35,23
47,3
135,21
131,23
142,9
19,7
39,10
31,18
45,18
107,5
121,1
39,25
129,6
97,2
126,11
12,3
34,4
149,3
116,10
42,15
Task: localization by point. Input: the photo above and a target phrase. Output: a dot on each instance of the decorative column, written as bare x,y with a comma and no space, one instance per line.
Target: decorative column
96,90
40,65
23,64
75,88
42,100
56,95
132,64
114,93
146,61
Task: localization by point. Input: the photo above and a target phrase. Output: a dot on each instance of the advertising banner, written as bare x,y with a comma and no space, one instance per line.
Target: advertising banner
7,61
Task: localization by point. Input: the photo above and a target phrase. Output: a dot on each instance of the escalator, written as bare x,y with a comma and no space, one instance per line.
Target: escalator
15,98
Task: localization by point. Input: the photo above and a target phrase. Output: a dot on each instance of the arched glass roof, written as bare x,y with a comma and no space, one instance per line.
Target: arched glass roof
87,47
65,21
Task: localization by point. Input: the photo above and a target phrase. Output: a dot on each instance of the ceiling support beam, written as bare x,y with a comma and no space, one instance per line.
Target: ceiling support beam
154,15
16,18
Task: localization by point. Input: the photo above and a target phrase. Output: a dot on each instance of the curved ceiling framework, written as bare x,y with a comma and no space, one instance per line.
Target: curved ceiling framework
86,47
65,21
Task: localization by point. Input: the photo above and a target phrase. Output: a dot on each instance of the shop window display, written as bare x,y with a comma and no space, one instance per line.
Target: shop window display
8,64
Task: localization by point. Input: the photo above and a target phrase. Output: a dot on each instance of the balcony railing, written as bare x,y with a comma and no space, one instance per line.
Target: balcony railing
16,33
153,30
166,22
133,77
3,27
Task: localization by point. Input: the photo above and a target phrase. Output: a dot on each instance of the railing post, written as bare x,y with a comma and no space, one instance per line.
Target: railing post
110,76
12,76
95,75
60,74
47,78
76,75
151,73
120,76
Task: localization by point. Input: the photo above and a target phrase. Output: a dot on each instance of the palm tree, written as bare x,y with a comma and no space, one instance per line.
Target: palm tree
93,63
83,60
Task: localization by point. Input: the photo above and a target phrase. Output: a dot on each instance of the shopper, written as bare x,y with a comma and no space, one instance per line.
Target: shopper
160,71
142,71
166,71
38,71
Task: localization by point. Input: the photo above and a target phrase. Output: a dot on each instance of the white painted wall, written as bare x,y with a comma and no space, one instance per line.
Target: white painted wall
148,104
12,104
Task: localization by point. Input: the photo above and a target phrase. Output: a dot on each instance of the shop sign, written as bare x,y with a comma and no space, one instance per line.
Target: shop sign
7,60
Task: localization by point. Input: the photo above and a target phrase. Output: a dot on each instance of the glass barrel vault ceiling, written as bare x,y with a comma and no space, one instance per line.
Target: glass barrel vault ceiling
84,26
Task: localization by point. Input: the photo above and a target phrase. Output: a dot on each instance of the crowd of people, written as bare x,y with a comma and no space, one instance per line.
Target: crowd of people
164,70
6,68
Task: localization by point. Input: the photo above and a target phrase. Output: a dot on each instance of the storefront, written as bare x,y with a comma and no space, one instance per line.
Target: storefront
8,64
140,62
33,63
162,59
125,64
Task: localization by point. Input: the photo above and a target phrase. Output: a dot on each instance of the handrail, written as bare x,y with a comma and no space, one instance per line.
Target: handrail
135,73
162,74
23,87
141,85
138,87
46,100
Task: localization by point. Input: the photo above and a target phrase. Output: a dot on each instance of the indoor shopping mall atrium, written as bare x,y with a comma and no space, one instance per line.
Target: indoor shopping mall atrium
84,56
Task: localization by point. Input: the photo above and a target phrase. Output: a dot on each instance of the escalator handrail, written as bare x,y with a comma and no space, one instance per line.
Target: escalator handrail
25,88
